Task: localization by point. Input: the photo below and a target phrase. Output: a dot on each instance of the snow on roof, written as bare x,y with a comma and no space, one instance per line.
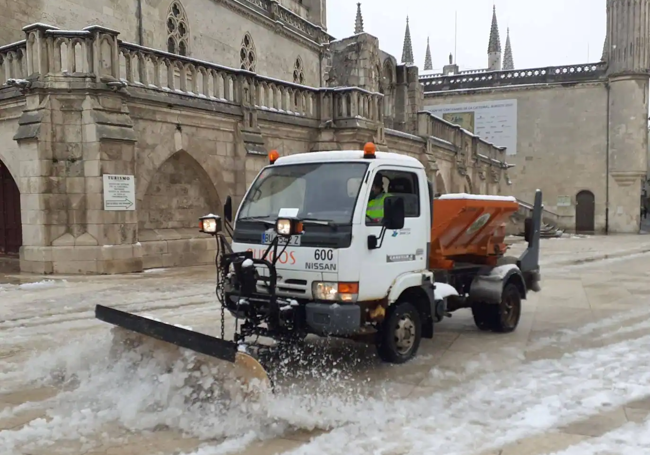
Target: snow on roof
479,197
348,155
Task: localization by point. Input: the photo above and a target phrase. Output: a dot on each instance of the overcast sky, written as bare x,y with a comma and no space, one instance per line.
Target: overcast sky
542,33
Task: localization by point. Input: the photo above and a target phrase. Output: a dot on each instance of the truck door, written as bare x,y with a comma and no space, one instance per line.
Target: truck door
403,250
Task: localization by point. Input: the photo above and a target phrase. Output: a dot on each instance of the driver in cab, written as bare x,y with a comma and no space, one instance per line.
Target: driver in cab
375,209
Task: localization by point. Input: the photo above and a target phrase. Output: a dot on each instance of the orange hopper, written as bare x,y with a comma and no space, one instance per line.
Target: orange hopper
469,228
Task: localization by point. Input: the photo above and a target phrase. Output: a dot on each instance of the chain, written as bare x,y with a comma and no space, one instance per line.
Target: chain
221,277
223,323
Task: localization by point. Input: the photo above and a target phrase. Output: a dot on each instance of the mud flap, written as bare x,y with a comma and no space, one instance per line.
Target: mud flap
158,337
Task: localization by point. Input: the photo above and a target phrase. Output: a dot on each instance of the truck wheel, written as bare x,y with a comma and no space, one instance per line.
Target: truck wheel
484,316
502,317
399,337
508,311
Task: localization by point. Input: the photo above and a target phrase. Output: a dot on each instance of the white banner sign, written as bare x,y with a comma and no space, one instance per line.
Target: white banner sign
492,121
119,192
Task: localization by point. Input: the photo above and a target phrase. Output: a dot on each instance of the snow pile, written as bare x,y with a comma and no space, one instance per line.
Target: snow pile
500,408
32,286
147,389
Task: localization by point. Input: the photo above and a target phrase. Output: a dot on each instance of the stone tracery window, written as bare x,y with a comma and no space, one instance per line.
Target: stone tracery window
298,72
178,35
247,54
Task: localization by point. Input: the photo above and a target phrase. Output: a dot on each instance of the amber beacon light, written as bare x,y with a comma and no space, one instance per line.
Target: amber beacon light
273,156
369,150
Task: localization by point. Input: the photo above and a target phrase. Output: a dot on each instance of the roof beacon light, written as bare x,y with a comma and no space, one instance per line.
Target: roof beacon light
369,150
273,156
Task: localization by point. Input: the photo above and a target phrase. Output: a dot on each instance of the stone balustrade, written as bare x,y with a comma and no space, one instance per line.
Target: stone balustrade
478,79
432,126
95,53
13,62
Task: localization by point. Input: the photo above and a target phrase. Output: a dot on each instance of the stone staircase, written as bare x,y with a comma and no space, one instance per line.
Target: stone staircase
550,221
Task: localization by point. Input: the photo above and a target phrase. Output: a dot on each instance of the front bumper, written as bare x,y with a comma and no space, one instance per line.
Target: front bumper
333,318
319,318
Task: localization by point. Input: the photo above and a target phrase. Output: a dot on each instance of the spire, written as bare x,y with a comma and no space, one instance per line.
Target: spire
407,52
495,41
508,63
358,23
428,64
604,57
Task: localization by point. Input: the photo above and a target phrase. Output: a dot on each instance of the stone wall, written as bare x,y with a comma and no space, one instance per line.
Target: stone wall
192,133
561,142
215,29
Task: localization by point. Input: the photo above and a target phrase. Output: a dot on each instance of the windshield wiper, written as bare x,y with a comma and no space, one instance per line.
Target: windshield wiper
254,219
329,223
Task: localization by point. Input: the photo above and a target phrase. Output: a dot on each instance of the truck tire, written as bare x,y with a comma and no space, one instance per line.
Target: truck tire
398,340
484,316
502,317
508,310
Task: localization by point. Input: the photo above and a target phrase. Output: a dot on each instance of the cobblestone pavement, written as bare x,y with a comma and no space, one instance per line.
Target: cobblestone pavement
573,375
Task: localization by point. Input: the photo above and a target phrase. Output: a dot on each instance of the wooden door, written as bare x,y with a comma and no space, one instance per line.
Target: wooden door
585,211
11,231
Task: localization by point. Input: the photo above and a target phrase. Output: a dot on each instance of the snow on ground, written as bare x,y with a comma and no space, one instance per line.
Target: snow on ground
630,439
487,407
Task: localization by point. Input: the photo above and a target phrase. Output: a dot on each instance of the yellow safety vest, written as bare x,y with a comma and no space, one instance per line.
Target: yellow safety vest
375,208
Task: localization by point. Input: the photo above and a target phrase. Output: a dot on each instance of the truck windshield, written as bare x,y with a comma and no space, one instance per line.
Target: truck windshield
321,191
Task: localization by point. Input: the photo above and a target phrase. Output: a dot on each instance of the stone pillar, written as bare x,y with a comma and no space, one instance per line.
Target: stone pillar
356,62
73,131
628,66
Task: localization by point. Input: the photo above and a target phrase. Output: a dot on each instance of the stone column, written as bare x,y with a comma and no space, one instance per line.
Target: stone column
74,130
628,69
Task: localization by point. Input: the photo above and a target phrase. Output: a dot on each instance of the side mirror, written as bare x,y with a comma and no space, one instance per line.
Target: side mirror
394,212
227,209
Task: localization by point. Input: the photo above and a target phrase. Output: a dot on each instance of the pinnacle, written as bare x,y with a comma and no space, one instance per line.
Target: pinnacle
428,63
508,62
495,40
358,23
407,51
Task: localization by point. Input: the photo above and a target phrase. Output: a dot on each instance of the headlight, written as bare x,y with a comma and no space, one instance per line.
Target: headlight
335,292
283,227
288,227
210,224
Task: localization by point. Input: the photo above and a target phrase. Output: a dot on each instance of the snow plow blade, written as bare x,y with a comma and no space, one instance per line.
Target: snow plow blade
244,369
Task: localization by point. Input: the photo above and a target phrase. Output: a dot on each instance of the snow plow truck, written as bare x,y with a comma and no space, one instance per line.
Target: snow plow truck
353,244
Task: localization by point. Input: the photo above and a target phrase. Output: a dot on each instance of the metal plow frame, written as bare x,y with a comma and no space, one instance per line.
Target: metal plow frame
195,341
248,368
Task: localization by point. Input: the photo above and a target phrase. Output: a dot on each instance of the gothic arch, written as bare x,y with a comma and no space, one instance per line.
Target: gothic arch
247,54
177,194
148,166
178,30
11,227
298,72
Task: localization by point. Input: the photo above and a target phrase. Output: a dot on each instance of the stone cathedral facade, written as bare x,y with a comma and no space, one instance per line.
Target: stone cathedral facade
184,98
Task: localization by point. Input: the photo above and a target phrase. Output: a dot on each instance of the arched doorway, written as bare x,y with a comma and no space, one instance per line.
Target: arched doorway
585,211
11,229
